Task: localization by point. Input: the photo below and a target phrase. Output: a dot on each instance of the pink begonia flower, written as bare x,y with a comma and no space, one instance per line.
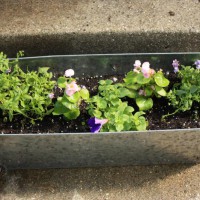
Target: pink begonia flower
69,73
137,64
146,70
72,88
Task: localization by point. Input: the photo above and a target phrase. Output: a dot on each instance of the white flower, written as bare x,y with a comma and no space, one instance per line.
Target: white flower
137,63
69,73
115,79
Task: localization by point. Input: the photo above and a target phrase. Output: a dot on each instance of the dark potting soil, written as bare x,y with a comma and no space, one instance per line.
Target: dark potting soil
57,124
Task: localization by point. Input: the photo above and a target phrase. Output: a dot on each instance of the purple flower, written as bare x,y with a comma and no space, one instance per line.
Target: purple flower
197,63
175,64
96,124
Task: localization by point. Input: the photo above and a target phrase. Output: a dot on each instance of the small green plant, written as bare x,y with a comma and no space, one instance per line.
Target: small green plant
107,105
23,93
143,83
68,104
187,91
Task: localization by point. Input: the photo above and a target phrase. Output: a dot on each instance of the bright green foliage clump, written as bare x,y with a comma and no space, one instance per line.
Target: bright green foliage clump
68,104
142,88
187,91
24,93
107,104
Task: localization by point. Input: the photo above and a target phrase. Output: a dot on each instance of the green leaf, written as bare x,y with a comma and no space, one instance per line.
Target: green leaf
193,89
102,104
59,109
97,113
142,80
74,98
129,109
61,82
124,92
43,70
119,127
161,91
144,103
85,94
72,114
131,78
161,80
180,92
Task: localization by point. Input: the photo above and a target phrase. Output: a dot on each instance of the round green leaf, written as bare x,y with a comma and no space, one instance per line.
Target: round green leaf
62,82
160,91
161,80
144,103
84,94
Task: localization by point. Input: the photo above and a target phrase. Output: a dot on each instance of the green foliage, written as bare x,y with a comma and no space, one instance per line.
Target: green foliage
107,104
68,106
24,93
142,89
184,94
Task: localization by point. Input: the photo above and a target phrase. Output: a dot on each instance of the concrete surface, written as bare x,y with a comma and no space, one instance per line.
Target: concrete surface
181,182
100,26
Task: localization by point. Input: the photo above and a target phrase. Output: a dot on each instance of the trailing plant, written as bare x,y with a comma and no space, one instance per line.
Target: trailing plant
68,104
143,83
24,93
187,91
116,114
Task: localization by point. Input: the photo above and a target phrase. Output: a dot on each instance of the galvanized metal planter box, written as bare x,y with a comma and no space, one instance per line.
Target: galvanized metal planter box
63,150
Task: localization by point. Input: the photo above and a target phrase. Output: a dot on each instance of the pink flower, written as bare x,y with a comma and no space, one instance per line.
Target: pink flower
146,70
72,88
137,64
69,73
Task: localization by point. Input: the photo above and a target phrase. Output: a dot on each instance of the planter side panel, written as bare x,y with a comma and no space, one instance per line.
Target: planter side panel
92,150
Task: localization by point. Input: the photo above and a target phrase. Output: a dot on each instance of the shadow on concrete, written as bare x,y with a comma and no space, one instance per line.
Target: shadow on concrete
58,180
105,42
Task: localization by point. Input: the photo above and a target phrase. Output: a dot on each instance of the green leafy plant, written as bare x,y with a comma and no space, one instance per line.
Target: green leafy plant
68,104
24,93
143,83
187,91
107,104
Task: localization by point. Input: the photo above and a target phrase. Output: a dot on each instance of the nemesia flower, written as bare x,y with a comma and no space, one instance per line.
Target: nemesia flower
197,63
83,87
51,95
175,64
69,73
8,71
95,124
137,64
115,79
146,70
72,88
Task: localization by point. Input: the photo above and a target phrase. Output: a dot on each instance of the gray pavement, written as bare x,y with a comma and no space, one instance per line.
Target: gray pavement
100,26
181,182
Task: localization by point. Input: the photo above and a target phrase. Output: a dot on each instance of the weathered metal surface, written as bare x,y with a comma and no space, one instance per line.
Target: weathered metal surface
102,149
